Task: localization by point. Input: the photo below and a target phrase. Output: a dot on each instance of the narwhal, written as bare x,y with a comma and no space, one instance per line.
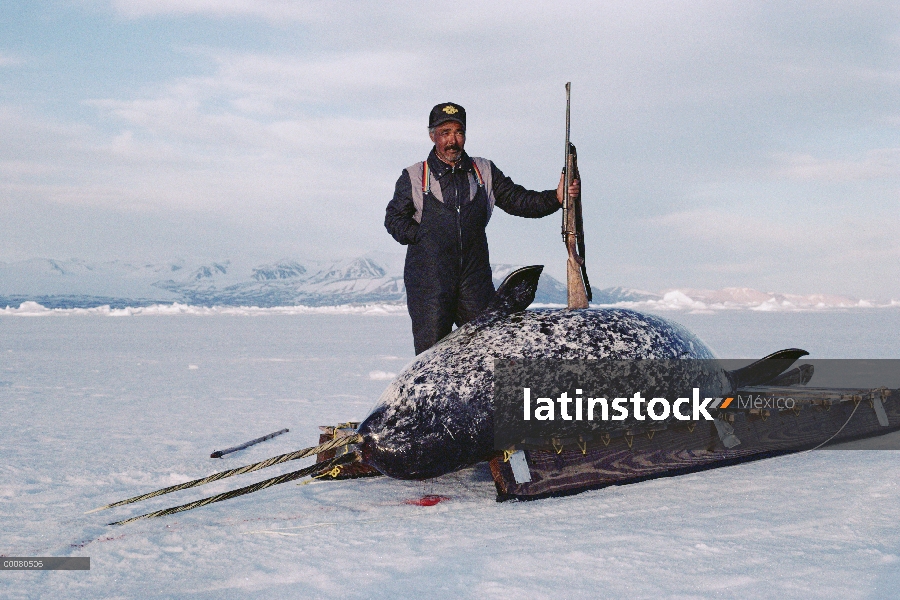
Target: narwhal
437,415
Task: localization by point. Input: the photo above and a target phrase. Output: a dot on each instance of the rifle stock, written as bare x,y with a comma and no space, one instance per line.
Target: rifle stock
573,236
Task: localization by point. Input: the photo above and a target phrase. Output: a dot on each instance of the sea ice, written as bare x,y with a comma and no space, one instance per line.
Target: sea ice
94,409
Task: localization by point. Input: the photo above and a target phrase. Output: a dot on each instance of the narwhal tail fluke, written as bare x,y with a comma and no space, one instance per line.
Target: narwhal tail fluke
320,468
269,462
767,368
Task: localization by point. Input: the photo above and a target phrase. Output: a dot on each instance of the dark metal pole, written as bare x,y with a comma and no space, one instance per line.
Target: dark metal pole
567,180
221,453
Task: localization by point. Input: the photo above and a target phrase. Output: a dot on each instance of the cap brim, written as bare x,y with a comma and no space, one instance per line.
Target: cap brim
443,120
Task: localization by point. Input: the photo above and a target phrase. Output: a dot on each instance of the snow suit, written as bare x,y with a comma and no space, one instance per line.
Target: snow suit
441,211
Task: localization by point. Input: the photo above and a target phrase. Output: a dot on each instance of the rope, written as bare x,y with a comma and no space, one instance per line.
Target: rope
324,465
269,462
332,473
836,432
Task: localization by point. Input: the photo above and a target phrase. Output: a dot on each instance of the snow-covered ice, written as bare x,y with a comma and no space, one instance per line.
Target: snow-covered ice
95,409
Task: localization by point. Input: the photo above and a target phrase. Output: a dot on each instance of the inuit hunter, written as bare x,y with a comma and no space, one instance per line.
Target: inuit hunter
440,210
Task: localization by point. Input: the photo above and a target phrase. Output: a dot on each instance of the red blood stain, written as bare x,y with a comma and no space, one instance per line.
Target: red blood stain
429,500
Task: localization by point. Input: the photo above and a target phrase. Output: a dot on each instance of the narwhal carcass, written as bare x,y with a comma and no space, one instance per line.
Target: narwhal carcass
437,416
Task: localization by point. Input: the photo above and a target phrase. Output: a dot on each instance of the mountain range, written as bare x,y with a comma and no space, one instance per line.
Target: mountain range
370,279
77,283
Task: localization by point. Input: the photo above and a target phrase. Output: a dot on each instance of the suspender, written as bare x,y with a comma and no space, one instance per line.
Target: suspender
421,177
478,176
426,176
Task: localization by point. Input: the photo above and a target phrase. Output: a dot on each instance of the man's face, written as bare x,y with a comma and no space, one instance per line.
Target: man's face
449,140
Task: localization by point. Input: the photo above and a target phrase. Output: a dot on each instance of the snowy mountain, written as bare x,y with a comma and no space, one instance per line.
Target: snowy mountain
290,282
287,269
371,279
615,295
77,283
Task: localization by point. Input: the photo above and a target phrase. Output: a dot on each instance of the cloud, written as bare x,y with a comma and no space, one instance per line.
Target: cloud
255,131
880,163
9,60
205,141
794,254
701,121
266,88
271,10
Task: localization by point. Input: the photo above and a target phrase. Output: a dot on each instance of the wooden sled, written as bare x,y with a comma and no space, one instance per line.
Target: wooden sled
819,417
349,471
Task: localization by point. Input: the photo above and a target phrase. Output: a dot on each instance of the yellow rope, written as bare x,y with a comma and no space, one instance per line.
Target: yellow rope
332,473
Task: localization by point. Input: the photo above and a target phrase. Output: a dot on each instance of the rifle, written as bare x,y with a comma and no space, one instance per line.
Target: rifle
579,289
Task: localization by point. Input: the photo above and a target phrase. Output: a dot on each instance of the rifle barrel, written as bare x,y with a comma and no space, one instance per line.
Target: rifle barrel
567,179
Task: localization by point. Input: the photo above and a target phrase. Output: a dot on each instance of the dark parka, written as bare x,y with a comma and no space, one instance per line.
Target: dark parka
448,273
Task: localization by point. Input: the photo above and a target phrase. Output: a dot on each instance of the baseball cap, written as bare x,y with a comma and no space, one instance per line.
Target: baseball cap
447,111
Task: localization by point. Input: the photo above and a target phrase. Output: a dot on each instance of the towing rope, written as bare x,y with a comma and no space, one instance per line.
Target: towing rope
269,462
853,412
325,465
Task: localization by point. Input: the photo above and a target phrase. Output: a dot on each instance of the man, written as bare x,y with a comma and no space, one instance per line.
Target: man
440,210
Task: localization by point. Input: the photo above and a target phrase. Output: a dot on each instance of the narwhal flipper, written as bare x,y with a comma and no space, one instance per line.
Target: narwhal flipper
796,376
516,292
514,295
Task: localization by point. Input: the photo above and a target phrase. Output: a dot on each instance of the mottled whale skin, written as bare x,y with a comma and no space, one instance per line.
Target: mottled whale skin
436,417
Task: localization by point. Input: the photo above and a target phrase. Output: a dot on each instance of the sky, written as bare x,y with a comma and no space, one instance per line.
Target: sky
721,144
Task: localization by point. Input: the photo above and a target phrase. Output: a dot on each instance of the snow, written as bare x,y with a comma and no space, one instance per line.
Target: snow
673,301
34,309
95,409
381,375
